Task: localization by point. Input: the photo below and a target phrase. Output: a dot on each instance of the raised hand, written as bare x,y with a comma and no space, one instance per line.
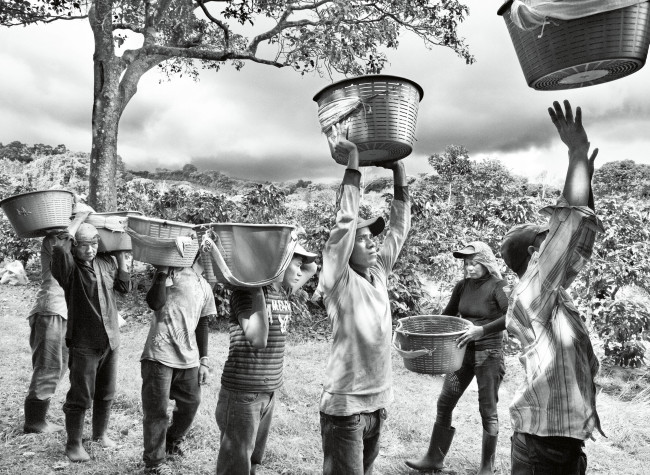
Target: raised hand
571,131
341,146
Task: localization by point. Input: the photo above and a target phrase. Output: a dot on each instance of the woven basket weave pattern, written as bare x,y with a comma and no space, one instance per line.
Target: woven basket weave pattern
385,128
436,333
600,48
110,241
158,228
34,214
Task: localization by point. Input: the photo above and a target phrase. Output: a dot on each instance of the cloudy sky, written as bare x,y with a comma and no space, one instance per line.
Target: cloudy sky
261,122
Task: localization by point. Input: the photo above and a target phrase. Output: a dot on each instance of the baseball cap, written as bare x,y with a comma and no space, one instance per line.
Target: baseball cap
376,225
514,248
468,250
308,257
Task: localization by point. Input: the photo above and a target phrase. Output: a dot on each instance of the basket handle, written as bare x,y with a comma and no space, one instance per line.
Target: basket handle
408,354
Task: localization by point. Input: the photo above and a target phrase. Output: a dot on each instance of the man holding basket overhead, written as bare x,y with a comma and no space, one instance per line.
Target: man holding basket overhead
354,280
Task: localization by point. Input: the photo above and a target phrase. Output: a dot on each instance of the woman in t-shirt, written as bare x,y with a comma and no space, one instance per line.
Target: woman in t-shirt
479,298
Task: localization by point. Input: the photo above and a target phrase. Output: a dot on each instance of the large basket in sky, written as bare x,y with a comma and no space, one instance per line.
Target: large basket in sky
428,343
380,112
582,52
36,213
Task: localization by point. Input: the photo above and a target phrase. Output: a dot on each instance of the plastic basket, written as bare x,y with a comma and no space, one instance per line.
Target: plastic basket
111,240
36,213
584,51
428,343
154,241
383,128
247,255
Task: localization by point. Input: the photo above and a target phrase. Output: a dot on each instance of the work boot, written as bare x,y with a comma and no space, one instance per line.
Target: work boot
35,413
488,449
101,415
441,438
74,426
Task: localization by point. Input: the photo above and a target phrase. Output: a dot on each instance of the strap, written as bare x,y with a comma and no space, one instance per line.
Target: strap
409,355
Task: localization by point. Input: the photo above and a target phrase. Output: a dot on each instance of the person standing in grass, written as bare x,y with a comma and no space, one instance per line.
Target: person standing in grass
479,298
554,410
47,323
353,280
253,371
174,362
93,336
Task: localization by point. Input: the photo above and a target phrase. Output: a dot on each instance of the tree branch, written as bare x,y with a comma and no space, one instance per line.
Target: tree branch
219,23
207,55
129,26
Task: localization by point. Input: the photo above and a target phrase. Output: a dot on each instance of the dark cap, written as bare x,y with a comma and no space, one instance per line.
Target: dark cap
376,225
468,250
307,257
514,248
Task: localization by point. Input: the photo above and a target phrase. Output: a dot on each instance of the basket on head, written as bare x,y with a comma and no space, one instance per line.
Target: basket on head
111,227
36,213
584,51
161,242
381,112
428,343
247,255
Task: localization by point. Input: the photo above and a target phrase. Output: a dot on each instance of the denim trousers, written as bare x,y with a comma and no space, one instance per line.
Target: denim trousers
534,455
351,443
489,368
93,373
244,420
49,355
161,383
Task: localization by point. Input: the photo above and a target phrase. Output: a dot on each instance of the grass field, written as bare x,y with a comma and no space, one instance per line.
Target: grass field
294,445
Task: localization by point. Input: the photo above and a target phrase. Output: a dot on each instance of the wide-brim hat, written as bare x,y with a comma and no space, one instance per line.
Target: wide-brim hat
376,225
307,257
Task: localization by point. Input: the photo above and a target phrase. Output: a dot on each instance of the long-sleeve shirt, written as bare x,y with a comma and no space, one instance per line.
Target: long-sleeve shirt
89,293
50,298
558,397
358,377
484,303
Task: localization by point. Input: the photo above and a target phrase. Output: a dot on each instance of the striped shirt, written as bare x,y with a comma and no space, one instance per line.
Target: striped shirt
558,397
256,369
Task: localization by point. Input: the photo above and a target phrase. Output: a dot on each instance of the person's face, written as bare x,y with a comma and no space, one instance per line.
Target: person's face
364,252
474,270
86,248
293,273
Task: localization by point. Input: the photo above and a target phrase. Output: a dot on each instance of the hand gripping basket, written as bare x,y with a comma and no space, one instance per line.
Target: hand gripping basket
584,51
246,255
381,112
428,343
111,227
36,213
164,243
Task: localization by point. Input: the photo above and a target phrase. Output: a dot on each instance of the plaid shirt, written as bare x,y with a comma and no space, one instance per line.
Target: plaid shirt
558,397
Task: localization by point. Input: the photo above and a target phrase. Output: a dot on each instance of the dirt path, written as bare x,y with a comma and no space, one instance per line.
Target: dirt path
294,446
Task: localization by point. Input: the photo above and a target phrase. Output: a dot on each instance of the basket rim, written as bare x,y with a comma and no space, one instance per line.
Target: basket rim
367,76
20,195
251,225
419,317
162,221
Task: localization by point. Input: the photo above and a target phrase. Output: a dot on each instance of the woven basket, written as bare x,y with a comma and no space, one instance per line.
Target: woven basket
110,240
384,128
248,255
36,213
583,51
428,343
141,227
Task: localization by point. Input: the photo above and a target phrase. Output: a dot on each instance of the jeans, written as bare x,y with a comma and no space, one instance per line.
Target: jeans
161,383
351,443
244,420
93,374
489,368
49,355
534,455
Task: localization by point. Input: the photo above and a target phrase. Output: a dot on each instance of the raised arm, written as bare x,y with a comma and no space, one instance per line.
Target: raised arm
577,186
249,306
123,282
157,294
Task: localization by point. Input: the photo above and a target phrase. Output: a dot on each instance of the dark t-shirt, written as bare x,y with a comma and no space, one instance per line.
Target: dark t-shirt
484,303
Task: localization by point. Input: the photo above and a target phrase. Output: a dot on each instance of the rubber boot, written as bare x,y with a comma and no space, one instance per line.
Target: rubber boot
74,426
101,416
441,438
35,414
488,449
